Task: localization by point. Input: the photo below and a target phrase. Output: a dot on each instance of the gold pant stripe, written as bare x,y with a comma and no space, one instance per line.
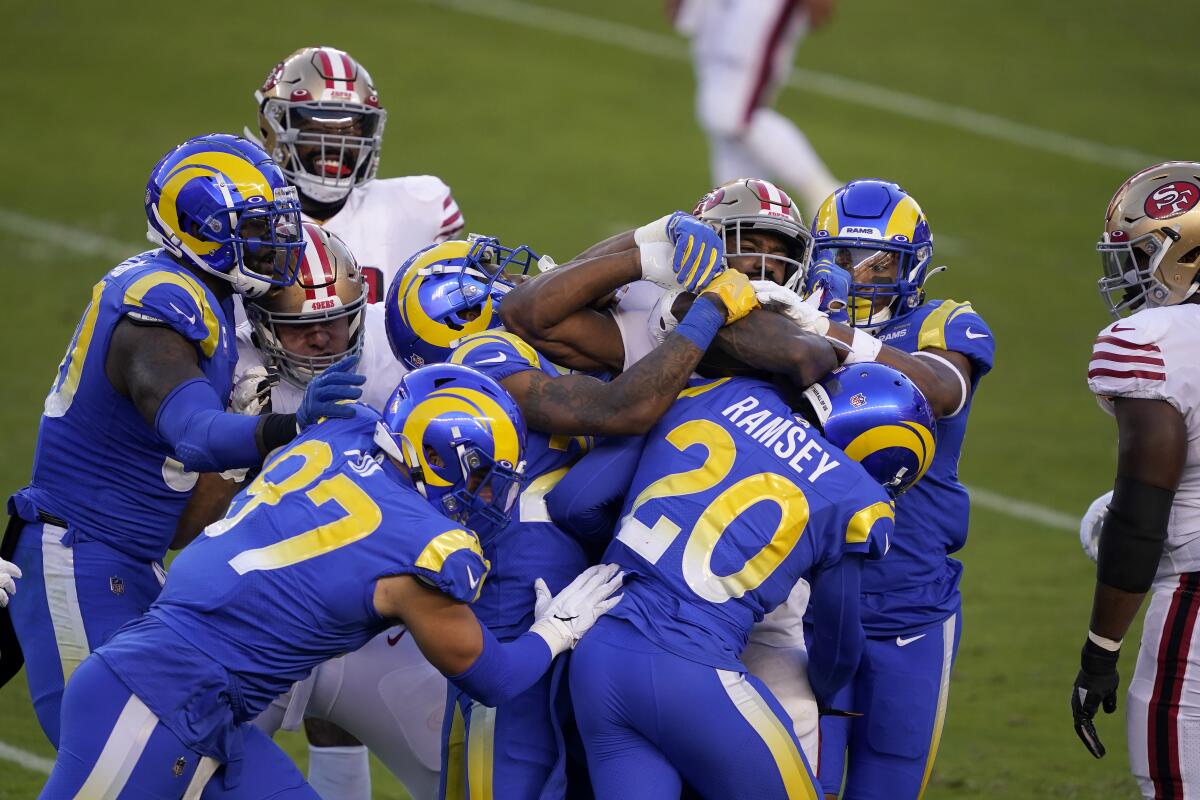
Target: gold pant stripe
948,628
456,762
751,705
481,742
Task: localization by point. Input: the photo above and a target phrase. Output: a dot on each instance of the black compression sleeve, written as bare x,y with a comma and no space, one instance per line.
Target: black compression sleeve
1135,529
275,430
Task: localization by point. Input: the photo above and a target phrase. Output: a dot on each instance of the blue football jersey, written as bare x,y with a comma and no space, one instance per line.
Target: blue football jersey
287,579
531,546
98,464
932,516
734,500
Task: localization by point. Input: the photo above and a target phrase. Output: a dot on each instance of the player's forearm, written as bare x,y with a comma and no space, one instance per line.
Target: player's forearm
772,343
504,671
587,501
536,306
1113,611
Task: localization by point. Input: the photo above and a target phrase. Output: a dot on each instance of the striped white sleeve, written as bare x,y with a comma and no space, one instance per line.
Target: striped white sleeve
452,219
1127,361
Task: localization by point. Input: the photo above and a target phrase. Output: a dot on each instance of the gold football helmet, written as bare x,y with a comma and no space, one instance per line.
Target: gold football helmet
747,204
320,119
1151,242
329,286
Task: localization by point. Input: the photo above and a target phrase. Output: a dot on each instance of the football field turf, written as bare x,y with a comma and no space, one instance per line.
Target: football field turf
559,123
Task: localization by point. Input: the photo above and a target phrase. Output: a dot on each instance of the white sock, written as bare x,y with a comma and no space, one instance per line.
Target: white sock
786,155
340,773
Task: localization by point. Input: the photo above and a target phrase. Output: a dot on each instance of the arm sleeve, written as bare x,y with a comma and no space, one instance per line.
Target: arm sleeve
838,638
503,671
586,503
205,438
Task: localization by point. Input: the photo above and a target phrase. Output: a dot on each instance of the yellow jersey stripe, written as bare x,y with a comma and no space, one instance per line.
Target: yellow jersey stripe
136,294
481,748
939,720
859,529
456,757
933,329
696,391
754,709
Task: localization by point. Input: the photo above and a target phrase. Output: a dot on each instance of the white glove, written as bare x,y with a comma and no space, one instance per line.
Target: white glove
563,619
782,300
1089,526
657,252
252,393
662,319
9,572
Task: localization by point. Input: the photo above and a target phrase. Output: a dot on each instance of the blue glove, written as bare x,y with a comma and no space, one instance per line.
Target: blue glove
321,398
699,252
831,285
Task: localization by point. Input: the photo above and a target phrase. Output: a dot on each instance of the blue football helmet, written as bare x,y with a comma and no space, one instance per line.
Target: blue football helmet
879,418
876,232
219,203
462,438
449,291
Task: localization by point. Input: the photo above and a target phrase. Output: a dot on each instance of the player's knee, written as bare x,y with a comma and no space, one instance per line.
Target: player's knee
325,734
721,115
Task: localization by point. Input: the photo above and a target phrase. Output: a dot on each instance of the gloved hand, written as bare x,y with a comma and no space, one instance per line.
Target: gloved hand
736,292
252,392
782,300
1095,686
1092,522
9,572
699,255
563,619
325,392
829,289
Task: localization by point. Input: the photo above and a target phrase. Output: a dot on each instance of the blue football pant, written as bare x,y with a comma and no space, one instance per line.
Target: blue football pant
902,689
113,746
651,720
514,751
71,599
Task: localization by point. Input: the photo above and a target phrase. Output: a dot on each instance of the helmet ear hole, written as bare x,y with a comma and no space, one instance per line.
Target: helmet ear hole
1191,256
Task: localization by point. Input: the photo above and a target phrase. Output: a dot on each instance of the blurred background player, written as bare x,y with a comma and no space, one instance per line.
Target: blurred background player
1143,371
338,538
742,52
738,493
138,408
321,119
911,603
516,750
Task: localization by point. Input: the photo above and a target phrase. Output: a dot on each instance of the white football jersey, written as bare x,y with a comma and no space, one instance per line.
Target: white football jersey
382,369
389,219
1151,355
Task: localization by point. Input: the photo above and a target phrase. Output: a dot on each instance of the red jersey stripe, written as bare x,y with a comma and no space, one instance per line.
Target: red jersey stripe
452,220
1104,355
1101,372
1127,344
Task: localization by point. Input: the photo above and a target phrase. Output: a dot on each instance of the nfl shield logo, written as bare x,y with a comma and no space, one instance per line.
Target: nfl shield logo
858,400
116,586
180,766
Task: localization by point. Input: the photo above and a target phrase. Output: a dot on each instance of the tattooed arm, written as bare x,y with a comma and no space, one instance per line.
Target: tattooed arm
580,405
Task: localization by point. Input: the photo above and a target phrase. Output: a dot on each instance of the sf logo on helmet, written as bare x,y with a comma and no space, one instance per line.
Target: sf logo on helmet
1171,199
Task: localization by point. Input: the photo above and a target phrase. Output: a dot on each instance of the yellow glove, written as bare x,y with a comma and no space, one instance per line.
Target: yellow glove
735,292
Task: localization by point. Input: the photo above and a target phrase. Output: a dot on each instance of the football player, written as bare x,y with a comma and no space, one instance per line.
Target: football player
387,693
443,307
359,524
1142,372
321,119
766,239
138,408
742,52
912,604
732,499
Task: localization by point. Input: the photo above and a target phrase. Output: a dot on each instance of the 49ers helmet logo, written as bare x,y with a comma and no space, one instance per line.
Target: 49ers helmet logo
1171,199
709,201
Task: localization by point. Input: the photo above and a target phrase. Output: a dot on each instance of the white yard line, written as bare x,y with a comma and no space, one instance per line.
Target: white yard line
1022,510
22,758
848,90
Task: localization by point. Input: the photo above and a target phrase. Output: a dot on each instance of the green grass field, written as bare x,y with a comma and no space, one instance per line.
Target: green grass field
562,134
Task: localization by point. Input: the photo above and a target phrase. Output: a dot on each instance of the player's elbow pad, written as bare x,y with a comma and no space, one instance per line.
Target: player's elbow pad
204,436
1132,538
503,671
